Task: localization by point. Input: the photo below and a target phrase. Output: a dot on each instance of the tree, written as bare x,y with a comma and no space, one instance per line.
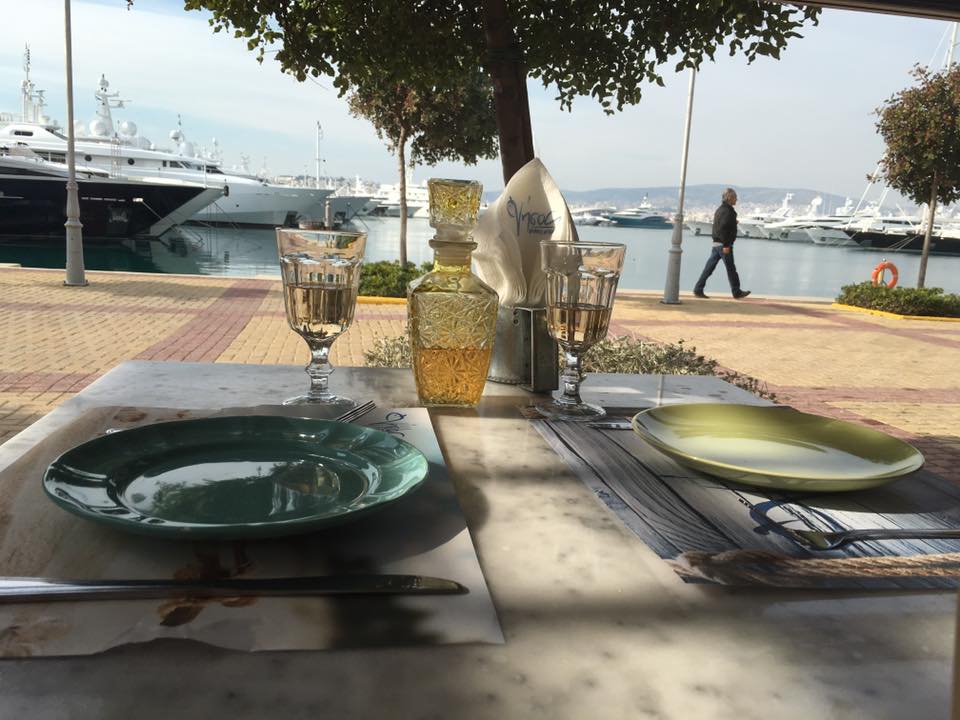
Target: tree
921,128
449,124
607,50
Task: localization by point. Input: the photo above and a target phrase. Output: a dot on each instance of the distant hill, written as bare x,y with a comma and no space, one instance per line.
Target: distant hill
698,197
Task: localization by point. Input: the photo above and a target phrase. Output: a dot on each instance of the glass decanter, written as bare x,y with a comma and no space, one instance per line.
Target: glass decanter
452,313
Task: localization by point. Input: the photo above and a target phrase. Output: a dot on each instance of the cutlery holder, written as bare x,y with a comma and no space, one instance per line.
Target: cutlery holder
524,354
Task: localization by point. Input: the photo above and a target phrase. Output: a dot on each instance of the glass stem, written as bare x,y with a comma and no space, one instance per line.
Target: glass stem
570,379
319,369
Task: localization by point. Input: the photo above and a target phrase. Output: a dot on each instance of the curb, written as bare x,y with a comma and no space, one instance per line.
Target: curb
897,316
377,300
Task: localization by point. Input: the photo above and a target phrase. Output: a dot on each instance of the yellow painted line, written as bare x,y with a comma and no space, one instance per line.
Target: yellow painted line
376,300
884,313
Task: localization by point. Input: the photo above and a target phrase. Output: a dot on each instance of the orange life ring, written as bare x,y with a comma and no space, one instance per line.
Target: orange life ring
877,276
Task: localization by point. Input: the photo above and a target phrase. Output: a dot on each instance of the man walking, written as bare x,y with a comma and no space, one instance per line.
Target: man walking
724,234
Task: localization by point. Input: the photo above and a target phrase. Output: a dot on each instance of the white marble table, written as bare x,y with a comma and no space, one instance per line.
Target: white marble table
596,625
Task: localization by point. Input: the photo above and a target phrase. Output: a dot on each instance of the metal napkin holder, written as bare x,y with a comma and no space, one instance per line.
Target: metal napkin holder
524,354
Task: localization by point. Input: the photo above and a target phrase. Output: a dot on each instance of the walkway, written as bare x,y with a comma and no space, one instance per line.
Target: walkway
900,376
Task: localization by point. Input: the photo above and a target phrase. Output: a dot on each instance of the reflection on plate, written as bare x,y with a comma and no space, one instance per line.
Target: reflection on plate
231,477
776,447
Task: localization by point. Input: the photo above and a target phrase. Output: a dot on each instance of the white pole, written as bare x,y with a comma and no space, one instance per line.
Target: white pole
671,290
75,271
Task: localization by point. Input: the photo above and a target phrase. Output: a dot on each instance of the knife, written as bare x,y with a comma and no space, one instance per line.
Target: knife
15,590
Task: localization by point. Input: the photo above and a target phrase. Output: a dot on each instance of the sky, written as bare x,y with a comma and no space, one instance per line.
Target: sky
805,121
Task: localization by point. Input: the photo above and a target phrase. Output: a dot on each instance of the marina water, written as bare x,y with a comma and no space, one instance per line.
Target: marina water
767,267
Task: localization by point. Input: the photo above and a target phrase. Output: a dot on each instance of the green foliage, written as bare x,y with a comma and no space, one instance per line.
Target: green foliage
628,355
386,279
921,128
391,352
613,355
607,50
929,302
454,123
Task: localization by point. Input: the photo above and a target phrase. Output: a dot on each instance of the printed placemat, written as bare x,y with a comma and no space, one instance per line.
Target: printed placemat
718,532
424,533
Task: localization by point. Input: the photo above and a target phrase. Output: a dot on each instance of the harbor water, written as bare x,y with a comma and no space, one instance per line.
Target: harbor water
766,267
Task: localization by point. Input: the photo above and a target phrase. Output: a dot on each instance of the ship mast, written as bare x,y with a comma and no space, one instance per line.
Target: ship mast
319,137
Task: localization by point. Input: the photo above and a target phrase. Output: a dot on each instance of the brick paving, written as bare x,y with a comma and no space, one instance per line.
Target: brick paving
899,376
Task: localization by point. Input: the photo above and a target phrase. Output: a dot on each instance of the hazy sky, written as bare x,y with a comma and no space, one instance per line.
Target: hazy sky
805,121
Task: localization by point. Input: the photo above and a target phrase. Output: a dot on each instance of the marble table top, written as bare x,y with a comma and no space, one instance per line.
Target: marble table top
596,625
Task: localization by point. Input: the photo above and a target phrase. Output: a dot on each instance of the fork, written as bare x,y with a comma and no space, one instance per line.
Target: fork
819,540
357,412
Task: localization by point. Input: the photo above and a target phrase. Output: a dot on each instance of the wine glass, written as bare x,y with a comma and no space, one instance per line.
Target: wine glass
321,275
581,283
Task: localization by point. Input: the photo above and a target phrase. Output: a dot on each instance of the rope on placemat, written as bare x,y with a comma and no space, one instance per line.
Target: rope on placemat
756,566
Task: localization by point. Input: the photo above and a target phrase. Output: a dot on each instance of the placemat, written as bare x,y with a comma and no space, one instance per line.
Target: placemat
715,532
423,533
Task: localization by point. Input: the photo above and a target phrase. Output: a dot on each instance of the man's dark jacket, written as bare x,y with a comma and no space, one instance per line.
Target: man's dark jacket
725,224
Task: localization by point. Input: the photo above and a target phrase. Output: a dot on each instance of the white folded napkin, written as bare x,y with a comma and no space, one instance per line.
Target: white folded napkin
508,235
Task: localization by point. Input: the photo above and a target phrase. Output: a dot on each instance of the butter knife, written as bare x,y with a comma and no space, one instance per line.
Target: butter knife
16,590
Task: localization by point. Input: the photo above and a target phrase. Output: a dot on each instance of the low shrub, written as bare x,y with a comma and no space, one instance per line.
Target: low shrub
931,302
386,278
613,355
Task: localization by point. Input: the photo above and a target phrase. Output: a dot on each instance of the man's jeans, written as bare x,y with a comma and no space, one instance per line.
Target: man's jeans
716,255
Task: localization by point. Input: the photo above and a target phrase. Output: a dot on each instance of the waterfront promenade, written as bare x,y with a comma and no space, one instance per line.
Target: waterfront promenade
900,376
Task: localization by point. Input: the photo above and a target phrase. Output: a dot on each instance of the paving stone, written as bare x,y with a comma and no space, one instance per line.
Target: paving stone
896,375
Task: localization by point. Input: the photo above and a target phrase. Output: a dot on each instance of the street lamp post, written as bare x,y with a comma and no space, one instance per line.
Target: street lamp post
74,264
671,289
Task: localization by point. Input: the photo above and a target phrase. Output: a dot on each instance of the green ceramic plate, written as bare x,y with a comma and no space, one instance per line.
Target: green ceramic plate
777,447
232,477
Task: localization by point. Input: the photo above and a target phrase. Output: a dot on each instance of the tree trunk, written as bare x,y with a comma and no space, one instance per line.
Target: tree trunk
402,159
929,231
509,76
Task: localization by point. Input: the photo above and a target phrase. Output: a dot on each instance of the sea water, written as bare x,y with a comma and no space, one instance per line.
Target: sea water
767,267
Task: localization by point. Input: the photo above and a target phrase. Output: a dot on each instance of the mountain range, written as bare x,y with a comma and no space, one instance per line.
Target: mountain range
697,198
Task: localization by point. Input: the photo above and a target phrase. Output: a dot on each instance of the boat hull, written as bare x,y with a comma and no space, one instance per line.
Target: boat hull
651,223
906,243
248,205
35,206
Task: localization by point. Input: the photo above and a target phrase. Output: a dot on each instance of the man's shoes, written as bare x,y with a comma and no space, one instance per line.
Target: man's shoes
700,295
741,294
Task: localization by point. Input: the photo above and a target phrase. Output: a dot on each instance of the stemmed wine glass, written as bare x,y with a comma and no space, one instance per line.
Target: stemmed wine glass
581,284
321,276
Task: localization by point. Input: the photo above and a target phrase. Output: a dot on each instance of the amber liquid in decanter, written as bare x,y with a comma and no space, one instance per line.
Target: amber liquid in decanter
452,313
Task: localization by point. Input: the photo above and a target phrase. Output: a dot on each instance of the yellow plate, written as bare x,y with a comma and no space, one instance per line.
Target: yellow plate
776,447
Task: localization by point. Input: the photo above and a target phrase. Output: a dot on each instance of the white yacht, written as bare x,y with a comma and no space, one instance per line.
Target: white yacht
388,197
745,228
347,200
592,215
644,215
247,199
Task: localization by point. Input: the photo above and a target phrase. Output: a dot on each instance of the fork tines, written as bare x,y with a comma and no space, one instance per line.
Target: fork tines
357,412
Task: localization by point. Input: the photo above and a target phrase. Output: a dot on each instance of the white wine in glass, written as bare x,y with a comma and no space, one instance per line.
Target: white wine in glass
581,285
321,276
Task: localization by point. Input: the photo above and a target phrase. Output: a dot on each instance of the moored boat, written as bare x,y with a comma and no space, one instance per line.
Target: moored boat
33,198
644,215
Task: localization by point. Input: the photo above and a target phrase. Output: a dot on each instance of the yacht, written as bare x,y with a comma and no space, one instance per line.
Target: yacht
388,197
347,201
592,215
248,200
745,228
33,197
644,215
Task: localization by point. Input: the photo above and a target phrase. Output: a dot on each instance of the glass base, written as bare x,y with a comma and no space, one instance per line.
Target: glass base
332,405
584,412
